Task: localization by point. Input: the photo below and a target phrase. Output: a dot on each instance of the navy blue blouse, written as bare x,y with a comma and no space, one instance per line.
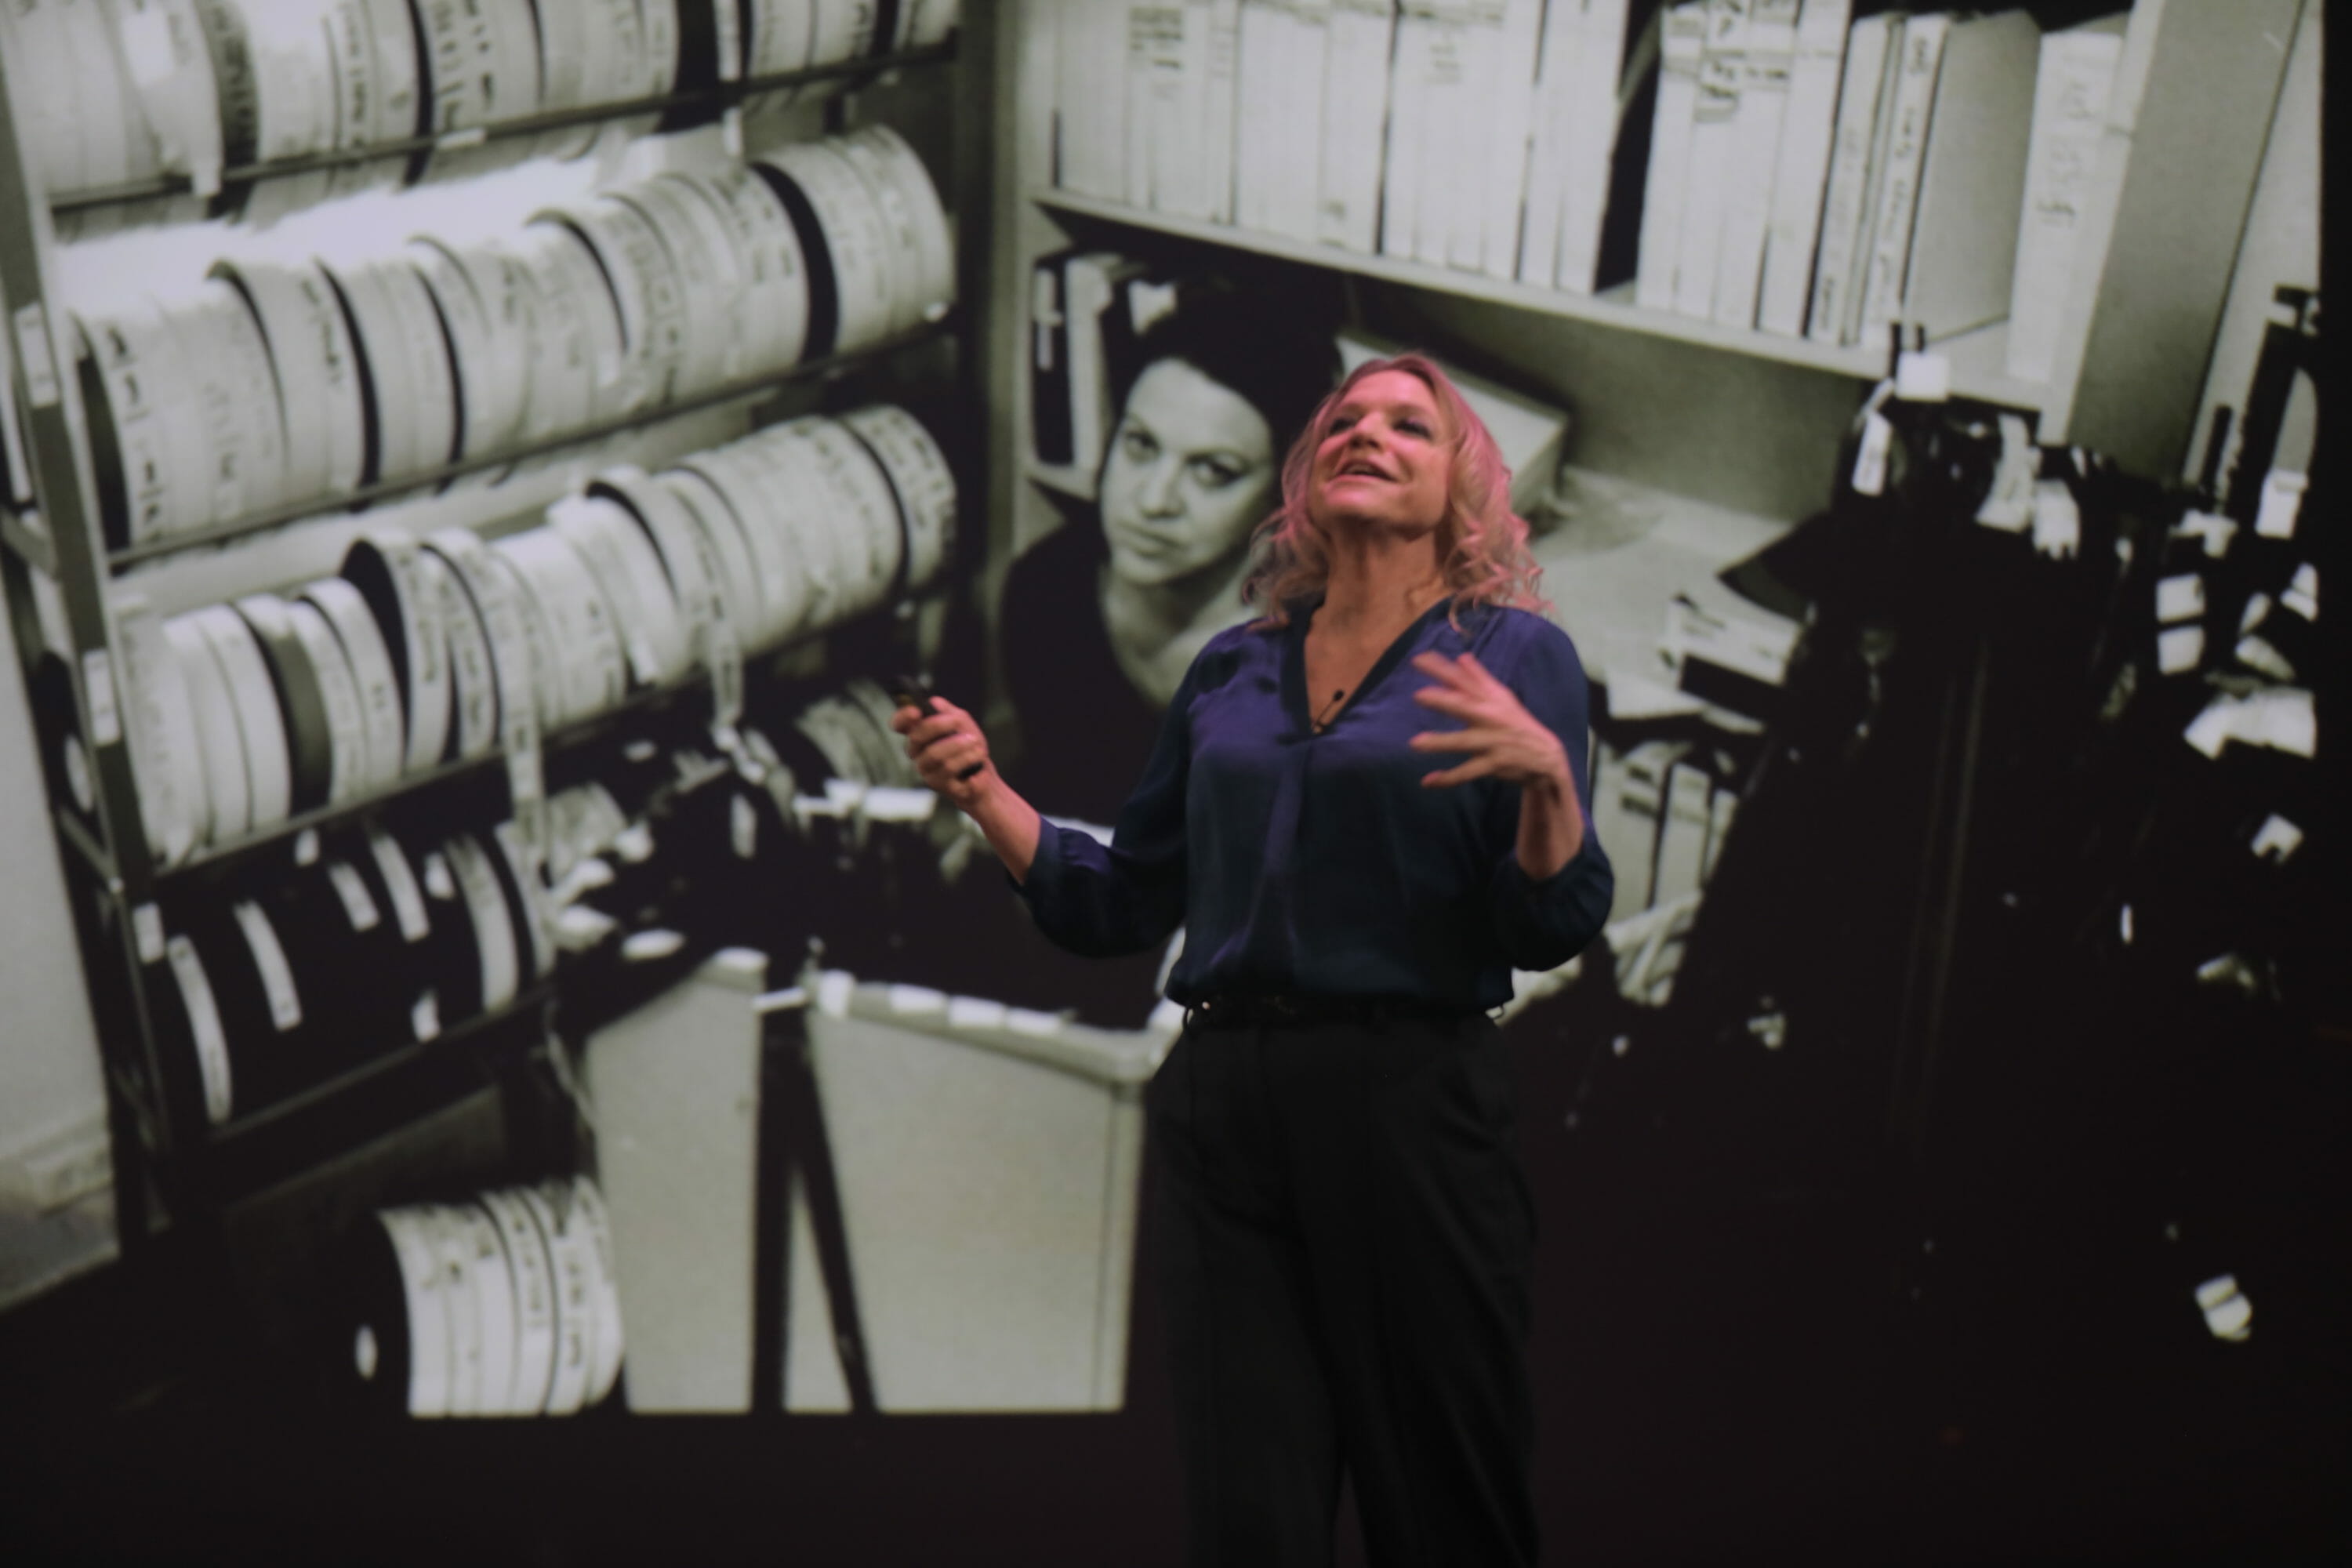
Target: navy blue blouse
1320,864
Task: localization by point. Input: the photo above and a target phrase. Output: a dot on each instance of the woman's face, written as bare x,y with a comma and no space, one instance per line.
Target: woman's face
1190,471
1383,460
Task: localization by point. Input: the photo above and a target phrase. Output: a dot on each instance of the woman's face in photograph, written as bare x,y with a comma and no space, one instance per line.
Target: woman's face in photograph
1190,470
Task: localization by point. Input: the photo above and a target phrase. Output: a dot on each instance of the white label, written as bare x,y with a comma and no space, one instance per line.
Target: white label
358,905
730,49
2180,648
743,827
644,946
425,1018
917,999
2009,500
437,881
407,902
1870,458
580,928
306,846
2277,838
97,680
731,127
2180,599
204,1022
147,925
2057,525
2256,653
33,354
1922,377
1024,1021
2282,500
975,1013
2301,595
494,934
277,975
833,992
2214,728
2280,716
2215,530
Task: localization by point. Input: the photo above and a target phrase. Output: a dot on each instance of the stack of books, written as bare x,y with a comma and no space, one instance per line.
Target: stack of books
1817,174
1809,172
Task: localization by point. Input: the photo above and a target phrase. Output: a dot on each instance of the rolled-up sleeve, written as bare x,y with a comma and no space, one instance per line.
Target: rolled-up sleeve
1100,900
1542,923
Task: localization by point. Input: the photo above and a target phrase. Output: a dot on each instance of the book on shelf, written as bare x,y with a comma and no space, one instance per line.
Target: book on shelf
1302,125
1681,833
1801,169
1434,63
2071,84
1102,328
1619,77
1214,144
1400,163
1886,250
1579,94
1715,114
1157,69
1090,96
1049,362
1722,807
1681,47
1962,248
1278,129
1505,58
1039,111
1549,123
1872,50
1627,817
1764,83
1357,45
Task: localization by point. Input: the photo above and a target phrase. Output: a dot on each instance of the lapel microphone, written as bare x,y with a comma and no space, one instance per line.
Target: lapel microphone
1328,706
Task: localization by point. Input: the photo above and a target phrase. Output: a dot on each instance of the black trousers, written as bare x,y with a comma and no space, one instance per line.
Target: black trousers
1347,1244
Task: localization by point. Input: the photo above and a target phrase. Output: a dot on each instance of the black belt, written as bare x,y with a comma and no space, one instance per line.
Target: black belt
1247,1010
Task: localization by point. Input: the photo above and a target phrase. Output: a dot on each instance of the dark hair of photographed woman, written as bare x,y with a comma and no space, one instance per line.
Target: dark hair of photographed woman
1101,618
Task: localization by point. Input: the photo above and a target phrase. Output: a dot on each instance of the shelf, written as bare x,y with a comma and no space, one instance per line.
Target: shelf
530,998
250,1153
28,537
1978,358
724,95
418,484
573,735
579,732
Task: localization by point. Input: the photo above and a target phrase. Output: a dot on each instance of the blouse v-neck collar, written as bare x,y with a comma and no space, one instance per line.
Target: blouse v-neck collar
1293,663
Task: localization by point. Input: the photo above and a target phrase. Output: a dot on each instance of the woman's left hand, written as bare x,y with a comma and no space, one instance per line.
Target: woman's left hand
1503,739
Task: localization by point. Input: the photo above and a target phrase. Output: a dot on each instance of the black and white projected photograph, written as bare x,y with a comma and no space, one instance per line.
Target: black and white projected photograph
1273,783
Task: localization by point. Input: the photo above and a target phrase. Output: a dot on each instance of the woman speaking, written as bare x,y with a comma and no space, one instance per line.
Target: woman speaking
1360,853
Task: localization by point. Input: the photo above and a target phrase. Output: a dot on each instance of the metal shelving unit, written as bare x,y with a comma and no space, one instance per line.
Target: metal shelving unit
168,1171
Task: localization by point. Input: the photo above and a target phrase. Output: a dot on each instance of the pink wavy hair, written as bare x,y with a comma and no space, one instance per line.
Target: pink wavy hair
1481,543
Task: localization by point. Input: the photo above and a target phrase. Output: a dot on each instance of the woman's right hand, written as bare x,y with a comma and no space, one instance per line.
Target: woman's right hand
949,752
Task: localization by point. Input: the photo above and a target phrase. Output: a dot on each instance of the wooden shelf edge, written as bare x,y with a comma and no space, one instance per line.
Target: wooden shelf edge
1978,357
